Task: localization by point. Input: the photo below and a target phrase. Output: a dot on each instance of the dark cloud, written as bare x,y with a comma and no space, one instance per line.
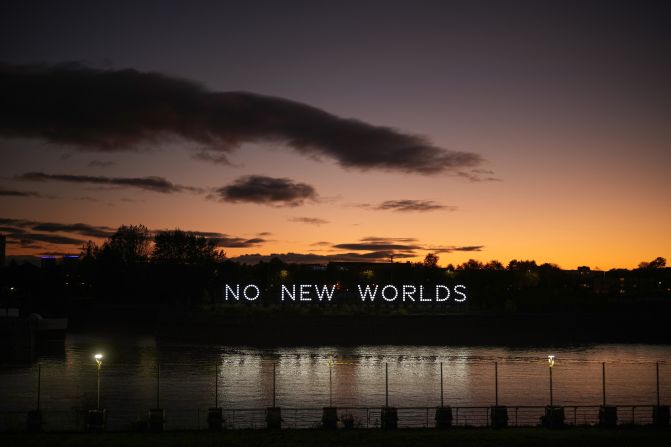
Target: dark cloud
452,249
388,239
375,246
31,238
101,164
51,227
216,158
224,240
413,205
15,193
313,258
155,184
402,246
11,230
266,190
320,244
373,243
238,242
478,175
33,234
113,110
309,220
79,228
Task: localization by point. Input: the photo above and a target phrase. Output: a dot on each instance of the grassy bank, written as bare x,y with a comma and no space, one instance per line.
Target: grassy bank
592,437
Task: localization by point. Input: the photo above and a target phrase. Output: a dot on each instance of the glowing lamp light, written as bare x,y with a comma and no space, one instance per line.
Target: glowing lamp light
99,362
551,361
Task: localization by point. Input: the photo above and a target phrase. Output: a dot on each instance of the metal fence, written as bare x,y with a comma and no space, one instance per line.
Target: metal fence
302,418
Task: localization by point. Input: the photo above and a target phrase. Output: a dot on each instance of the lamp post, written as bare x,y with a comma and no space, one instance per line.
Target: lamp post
551,363
554,416
331,382
99,363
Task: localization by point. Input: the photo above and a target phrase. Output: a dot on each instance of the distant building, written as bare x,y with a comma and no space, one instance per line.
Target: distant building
48,262
70,260
3,243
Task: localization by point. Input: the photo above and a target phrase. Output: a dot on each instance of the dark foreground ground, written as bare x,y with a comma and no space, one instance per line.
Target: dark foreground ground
592,437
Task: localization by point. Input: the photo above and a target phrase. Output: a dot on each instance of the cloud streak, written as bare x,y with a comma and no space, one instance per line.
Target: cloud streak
408,206
116,110
266,190
309,220
16,193
30,234
154,184
314,258
402,247
20,225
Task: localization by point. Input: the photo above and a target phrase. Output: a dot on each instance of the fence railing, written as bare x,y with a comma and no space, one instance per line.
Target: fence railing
302,418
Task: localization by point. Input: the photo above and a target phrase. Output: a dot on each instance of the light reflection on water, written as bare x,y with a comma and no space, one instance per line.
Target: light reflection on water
245,375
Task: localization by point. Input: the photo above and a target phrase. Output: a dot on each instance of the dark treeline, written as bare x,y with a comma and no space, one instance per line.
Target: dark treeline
176,270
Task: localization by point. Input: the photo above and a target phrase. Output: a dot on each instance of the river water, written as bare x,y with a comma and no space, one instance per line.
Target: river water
357,375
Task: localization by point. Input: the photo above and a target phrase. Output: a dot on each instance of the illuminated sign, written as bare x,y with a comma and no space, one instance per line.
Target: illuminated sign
367,293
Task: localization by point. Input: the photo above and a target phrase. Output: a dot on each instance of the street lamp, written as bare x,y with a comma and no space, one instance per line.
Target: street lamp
551,363
99,363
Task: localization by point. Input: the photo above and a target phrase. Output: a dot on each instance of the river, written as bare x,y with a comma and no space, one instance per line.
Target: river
128,376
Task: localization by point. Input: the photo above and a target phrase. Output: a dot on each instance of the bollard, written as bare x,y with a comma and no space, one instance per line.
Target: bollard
348,421
330,417
156,419
215,419
660,415
607,416
499,416
34,421
96,420
388,418
554,417
443,417
274,418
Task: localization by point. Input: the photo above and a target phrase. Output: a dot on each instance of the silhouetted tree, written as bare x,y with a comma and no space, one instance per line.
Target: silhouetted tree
431,260
471,264
128,245
522,265
494,265
185,247
656,263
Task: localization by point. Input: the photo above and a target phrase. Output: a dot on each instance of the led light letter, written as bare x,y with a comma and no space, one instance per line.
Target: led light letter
395,292
291,294
445,288
236,293
421,295
248,297
407,293
325,292
304,294
460,300
367,293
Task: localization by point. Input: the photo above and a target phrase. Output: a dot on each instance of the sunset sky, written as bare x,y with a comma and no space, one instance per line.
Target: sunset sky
342,130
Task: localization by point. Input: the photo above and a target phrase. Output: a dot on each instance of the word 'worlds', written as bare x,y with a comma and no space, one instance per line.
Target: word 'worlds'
440,293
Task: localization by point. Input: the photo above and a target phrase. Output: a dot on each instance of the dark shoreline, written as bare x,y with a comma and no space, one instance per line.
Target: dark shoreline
445,329
463,329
